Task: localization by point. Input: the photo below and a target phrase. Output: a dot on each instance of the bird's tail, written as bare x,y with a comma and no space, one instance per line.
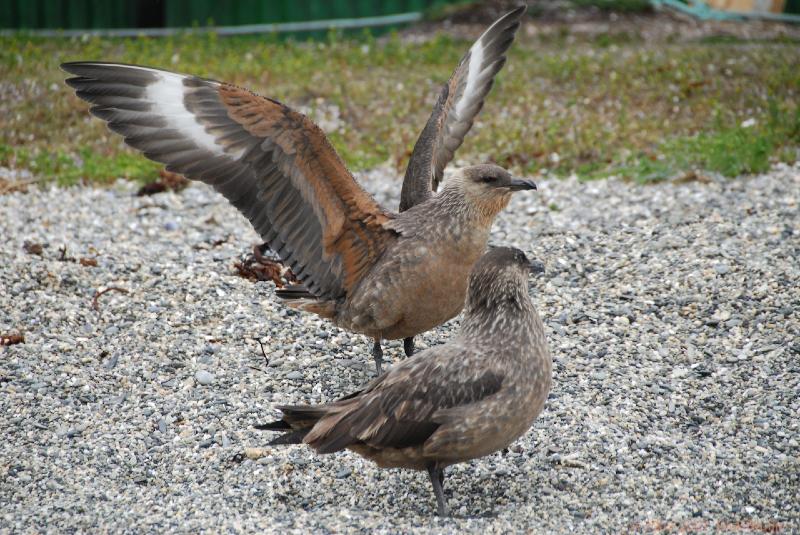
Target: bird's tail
294,291
297,422
297,296
288,436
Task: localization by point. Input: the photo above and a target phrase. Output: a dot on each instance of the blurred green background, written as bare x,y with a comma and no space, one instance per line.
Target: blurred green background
589,90
85,14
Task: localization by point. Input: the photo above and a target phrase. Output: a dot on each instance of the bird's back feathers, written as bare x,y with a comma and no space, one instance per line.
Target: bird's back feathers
402,408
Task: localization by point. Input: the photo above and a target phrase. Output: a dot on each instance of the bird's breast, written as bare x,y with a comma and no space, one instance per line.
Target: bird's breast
417,286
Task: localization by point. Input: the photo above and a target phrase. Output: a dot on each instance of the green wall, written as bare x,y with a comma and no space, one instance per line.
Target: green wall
91,14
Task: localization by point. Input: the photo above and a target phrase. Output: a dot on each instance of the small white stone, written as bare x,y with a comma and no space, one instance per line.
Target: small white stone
204,377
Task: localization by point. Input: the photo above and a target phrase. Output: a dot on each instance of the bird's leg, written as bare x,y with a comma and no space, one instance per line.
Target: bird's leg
260,251
408,345
377,354
437,480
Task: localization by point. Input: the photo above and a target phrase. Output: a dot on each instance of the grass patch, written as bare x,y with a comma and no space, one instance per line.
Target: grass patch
80,165
595,106
745,149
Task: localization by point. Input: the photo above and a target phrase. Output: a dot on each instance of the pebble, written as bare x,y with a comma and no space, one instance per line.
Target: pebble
622,321
674,377
204,377
344,472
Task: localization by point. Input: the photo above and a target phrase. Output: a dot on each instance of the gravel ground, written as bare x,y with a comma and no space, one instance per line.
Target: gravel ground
672,313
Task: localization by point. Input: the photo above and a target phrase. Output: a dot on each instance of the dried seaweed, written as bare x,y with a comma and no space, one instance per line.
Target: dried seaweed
168,182
258,266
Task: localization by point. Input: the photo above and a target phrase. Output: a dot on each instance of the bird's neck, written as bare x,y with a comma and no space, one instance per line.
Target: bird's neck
469,201
504,315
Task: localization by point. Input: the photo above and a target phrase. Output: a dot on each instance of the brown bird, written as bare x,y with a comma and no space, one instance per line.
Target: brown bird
451,403
369,270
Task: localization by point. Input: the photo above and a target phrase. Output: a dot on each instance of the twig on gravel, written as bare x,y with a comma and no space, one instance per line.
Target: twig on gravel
62,254
148,206
85,261
266,360
98,293
203,246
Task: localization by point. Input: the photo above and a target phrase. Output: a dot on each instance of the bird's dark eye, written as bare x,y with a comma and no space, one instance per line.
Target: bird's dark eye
487,179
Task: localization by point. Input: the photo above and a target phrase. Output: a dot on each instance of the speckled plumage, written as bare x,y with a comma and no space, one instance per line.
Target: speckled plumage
465,399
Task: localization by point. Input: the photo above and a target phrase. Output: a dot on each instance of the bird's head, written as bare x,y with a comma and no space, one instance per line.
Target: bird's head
499,280
489,187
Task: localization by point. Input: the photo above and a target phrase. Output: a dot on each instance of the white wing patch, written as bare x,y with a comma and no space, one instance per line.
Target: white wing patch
475,70
473,76
166,95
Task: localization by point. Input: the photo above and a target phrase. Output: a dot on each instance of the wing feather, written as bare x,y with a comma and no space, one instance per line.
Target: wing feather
459,102
401,408
271,162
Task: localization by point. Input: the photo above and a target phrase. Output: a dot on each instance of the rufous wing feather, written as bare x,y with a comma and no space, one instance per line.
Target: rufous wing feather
271,162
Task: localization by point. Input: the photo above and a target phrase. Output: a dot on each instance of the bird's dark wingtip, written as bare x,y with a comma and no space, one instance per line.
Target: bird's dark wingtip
278,425
288,434
290,437
71,66
294,291
516,13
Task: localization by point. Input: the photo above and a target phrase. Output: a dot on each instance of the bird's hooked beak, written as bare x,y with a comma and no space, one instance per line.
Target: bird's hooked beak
536,267
519,184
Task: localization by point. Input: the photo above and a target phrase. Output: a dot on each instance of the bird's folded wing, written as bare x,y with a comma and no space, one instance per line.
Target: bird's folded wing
459,102
399,409
271,162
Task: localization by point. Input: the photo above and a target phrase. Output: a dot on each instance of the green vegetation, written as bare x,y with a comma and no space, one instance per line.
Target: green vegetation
81,164
596,107
731,152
